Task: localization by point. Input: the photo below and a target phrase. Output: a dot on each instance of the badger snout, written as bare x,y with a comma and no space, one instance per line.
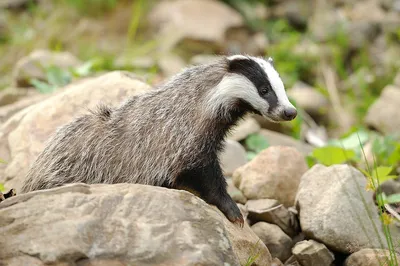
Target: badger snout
289,113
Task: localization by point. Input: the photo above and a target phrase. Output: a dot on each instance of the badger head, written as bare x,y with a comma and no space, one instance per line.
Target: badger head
254,83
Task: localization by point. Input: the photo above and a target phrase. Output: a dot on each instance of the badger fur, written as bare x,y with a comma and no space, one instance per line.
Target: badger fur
170,136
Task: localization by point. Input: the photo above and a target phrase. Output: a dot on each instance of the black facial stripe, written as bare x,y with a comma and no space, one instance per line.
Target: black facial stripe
256,74
272,99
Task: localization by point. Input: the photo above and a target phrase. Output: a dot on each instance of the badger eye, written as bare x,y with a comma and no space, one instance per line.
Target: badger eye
264,91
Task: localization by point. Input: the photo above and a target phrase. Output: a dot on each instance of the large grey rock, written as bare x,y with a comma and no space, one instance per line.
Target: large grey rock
335,208
178,21
369,257
312,253
278,243
23,136
274,173
383,113
128,224
34,65
271,211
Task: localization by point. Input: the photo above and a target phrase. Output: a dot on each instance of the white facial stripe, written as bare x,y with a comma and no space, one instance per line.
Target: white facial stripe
239,56
276,83
231,88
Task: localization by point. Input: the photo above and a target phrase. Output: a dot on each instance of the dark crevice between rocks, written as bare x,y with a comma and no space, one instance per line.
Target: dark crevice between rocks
7,195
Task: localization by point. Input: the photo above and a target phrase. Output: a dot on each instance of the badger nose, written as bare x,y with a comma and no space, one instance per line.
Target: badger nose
289,114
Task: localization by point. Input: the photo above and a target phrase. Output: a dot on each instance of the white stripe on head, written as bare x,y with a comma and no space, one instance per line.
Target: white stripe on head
231,88
276,82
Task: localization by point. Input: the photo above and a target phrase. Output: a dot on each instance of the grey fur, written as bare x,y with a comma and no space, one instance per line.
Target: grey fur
149,139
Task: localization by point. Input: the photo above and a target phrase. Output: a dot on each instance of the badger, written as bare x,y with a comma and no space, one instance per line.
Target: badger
170,136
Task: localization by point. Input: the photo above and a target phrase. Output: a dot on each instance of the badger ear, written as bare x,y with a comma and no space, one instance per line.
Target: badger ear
270,60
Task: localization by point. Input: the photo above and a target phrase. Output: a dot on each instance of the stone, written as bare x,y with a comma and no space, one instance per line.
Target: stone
178,21
274,173
292,261
235,193
383,115
369,257
171,64
201,59
232,157
130,223
309,99
12,95
270,211
296,12
278,139
34,65
396,81
15,4
23,136
277,242
276,262
335,198
312,253
244,128
10,109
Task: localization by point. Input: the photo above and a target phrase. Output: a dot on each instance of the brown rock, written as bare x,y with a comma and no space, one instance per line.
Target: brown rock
274,173
369,257
23,136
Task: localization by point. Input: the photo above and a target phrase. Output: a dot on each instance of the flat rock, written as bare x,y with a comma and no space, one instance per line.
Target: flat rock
271,211
273,174
23,136
121,224
232,157
383,113
369,257
34,65
335,208
278,243
312,253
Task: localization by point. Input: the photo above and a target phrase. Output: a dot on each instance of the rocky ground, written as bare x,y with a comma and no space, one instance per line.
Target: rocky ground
304,203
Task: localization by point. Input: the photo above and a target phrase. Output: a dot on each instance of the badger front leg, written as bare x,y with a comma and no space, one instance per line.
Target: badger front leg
210,184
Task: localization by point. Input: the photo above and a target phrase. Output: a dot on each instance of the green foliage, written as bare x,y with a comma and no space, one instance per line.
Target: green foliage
255,143
2,189
391,199
57,77
254,254
386,149
92,7
330,155
291,66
